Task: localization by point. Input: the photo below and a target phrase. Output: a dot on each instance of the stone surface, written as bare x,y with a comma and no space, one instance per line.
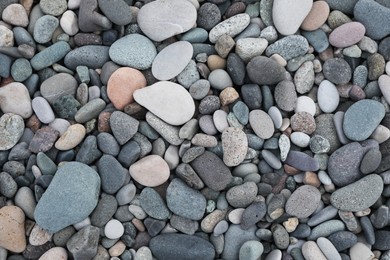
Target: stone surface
337,71
123,126
317,16
174,105
289,47
11,130
14,98
71,197
261,124
328,97
347,34
57,86
231,26
303,202
71,138
285,23
150,171
234,145
12,228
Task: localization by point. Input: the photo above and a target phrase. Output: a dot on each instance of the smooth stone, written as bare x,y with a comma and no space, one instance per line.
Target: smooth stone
328,249
382,240
152,203
69,22
310,250
8,186
261,124
43,140
118,11
300,139
25,199
174,105
122,84
43,110
384,83
316,17
318,39
12,220
241,111
343,240
57,86
234,145
220,120
219,79
164,19
249,48
301,161
285,95
185,201
253,214
11,130
16,15
186,247
89,151
360,251
199,89
235,237
86,56
376,66
304,77
289,47
362,118
104,210
346,198
251,250
150,171
337,71
372,15
123,126
347,34
285,23
44,28
190,74
305,104
195,35
39,236
5,62
45,164
328,96
206,124
54,8
370,161
50,55
54,253
57,207
14,98
303,202
209,15
21,70
71,138
84,244
235,66
242,195
231,26
112,174
303,122
168,132
89,19
113,229
172,60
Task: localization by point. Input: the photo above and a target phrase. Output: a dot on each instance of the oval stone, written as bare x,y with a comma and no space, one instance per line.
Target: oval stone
172,60
261,123
43,110
303,202
234,146
133,50
71,138
92,56
160,20
317,16
57,86
288,15
169,101
328,96
362,118
265,71
347,34
150,171
14,98
11,130
359,195
231,26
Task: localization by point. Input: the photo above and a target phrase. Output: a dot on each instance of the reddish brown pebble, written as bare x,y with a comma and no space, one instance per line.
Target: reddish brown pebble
290,170
228,96
356,93
104,122
33,123
303,122
311,178
317,16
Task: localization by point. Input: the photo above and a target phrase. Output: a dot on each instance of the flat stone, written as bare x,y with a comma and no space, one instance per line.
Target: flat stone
43,110
302,161
231,26
303,202
328,96
242,195
209,16
12,227
362,118
360,250
286,23
303,122
113,176
168,132
337,71
57,86
234,145
150,171
350,198
219,79
104,210
152,203
44,28
318,39
87,56
164,19
310,250
54,8
89,19
118,11
15,98
253,214
235,237
174,105
185,201
289,47
43,140
186,247
222,175
317,16
343,240
123,126
70,198
347,34
249,48
261,124
381,240
304,77
11,130
69,22
172,60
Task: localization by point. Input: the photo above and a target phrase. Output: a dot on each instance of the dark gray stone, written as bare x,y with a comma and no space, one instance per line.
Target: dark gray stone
112,174
129,153
337,71
88,152
50,55
117,11
123,126
84,244
289,47
253,214
343,240
262,70
235,66
104,210
209,15
152,203
107,144
89,18
90,55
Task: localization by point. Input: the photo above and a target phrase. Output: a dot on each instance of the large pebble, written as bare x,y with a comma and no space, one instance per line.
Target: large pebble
12,229
70,198
173,104
123,126
303,202
235,237
347,34
317,16
50,55
14,98
289,47
185,201
286,96
328,96
337,71
133,50
302,161
57,86
362,118
231,26
354,197
150,171
289,15
384,86
262,70
122,84
16,15
172,60
261,124
44,28
234,145
311,251
71,138
43,110
186,247
55,253
161,20
92,56
117,11
11,130
112,174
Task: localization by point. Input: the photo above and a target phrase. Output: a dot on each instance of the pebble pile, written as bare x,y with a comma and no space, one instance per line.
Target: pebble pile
195,129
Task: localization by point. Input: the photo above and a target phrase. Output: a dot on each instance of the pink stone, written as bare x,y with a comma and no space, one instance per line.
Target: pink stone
347,34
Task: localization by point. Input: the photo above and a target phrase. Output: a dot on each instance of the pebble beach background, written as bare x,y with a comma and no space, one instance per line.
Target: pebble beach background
195,129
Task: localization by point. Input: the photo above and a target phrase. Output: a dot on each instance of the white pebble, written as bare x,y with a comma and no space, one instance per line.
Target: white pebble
305,104
113,229
300,139
69,23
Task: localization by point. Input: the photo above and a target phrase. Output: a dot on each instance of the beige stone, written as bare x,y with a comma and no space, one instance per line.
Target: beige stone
150,171
317,16
14,98
117,249
12,229
57,253
38,236
71,138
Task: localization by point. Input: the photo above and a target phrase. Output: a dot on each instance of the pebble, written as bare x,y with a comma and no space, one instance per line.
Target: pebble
346,198
371,161
362,118
55,252
231,26
311,251
360,250
43,140
318,39
51,89
347,34
381,240
42,110
86,56
11,130
302,161
104,210
242,195
118,12
150,171
285,23
199,89
304,78
112,174
303,122
54,8
209,15
16,15
383,83
15,99
44,28
84,243
235,237
372,15
71,138
189,75
286,96
289,47
219,79
343,240
234,145
376,66
122,84
251,250
222,175
12,221
249,48
172,60
161,103
168,132
316,17
113,229
50,55
59,198
305,104
235,66
337,71
69,23
123,126
161,246
159,20
328,97
261,124
303,202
